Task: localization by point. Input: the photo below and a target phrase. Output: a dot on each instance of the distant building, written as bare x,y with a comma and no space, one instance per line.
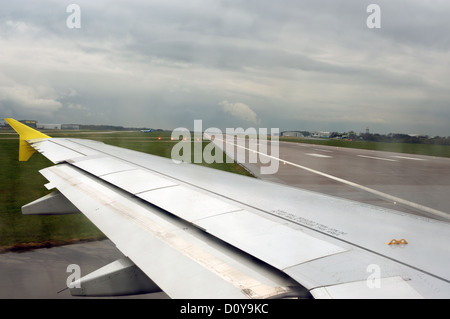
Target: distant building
48,126
30,123
292,134
321,134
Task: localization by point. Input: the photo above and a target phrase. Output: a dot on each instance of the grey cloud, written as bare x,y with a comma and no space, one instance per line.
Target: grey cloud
314,63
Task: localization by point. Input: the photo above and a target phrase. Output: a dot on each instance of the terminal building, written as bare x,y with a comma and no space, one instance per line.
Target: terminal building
292,134
30,123
48,126
42,126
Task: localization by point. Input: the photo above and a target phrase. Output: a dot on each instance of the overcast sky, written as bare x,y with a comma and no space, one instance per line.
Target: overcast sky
298,65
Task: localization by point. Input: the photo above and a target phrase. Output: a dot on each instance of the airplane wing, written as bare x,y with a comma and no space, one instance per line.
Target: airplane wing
196,232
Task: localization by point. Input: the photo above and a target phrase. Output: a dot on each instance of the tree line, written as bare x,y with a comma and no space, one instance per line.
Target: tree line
405,138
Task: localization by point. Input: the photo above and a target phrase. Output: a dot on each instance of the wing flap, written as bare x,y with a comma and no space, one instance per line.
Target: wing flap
100,165
187,203
56,151
268,240
387,288
138,181
199,267
279,245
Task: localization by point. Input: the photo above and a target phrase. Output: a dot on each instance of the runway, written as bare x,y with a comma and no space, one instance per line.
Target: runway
42,273
414,184
420,181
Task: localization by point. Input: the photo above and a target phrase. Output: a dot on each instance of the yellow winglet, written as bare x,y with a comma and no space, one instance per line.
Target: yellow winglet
25,133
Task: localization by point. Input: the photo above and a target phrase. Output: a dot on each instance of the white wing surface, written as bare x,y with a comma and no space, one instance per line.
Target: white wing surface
196,232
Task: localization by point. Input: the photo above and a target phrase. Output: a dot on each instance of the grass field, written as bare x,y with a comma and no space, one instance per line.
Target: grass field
21,183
